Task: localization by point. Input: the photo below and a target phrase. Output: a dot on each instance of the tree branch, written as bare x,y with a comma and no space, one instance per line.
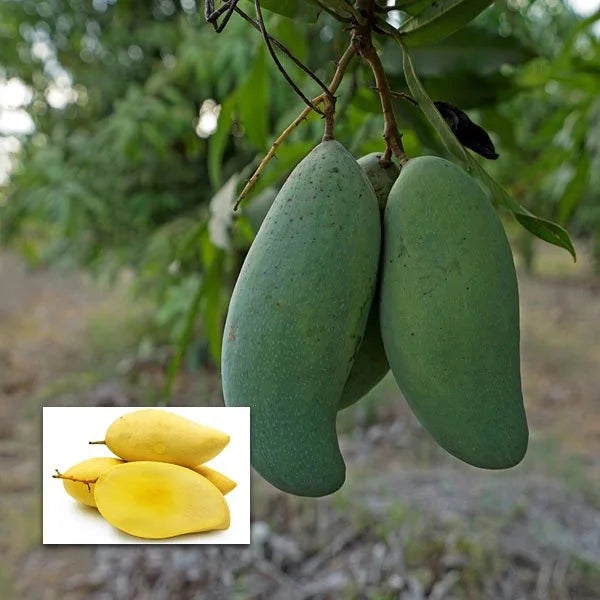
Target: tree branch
391,135
281,47
341,67
267,39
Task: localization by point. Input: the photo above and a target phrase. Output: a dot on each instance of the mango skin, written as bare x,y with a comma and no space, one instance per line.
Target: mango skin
450,313
163,436
223,483
371,364
89,469
158,500
382,179
296,317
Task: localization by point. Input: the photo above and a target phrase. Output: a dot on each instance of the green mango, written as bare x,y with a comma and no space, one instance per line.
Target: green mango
296,317
370,365
382,179
450,313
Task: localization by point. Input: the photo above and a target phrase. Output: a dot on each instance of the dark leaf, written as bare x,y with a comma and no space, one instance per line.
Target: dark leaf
540,227
440,19
469,134
299,10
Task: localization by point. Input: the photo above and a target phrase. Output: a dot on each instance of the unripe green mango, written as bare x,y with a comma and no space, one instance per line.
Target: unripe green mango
450,313
296,317
370,365
382,178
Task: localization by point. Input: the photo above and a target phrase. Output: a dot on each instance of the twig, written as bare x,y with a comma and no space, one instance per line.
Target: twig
404,96
329,118
88,482
266,37
333,86
391,135
333,13
281,47
212,16
365,7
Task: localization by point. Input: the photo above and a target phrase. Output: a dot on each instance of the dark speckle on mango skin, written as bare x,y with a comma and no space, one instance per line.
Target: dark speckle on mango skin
450,314
290,363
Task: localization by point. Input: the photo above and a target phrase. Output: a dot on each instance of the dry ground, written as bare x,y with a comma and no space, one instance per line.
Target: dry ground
410,522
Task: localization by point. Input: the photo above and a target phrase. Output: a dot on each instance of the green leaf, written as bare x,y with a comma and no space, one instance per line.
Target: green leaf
413,7
214,306
546,230
292,36
184,340
440,19
218,141
343,8
542,228
574,190
431,113
253,101
471,49
299,10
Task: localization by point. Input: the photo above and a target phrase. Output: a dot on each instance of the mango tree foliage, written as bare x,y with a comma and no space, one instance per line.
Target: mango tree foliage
122,174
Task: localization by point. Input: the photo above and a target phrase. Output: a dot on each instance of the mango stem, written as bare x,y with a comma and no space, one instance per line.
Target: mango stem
340,69
88,482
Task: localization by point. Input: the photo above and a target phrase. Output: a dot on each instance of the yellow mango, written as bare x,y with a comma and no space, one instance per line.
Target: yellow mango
223,482
79,480
158,500
165,437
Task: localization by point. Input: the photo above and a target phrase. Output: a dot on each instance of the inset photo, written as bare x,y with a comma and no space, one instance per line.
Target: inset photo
178,475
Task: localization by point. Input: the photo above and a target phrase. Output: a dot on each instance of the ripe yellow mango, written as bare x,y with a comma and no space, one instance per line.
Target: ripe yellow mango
86,472
158,500
165,437
217,478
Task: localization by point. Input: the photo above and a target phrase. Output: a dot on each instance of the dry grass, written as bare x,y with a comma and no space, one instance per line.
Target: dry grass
411,522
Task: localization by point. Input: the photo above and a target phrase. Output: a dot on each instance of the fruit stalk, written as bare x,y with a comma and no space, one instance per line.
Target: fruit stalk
340,69
361,36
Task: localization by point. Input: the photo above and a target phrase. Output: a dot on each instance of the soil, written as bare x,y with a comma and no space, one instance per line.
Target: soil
410,522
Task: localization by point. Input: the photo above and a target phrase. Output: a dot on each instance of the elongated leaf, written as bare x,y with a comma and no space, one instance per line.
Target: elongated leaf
431,113
184,340
440,19
542,228
299,10
413,7
470,49
219,140
343,8
292,36
545,229
574,190
214,307
253,101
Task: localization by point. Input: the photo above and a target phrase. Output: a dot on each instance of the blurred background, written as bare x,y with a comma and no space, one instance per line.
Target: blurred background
126,130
